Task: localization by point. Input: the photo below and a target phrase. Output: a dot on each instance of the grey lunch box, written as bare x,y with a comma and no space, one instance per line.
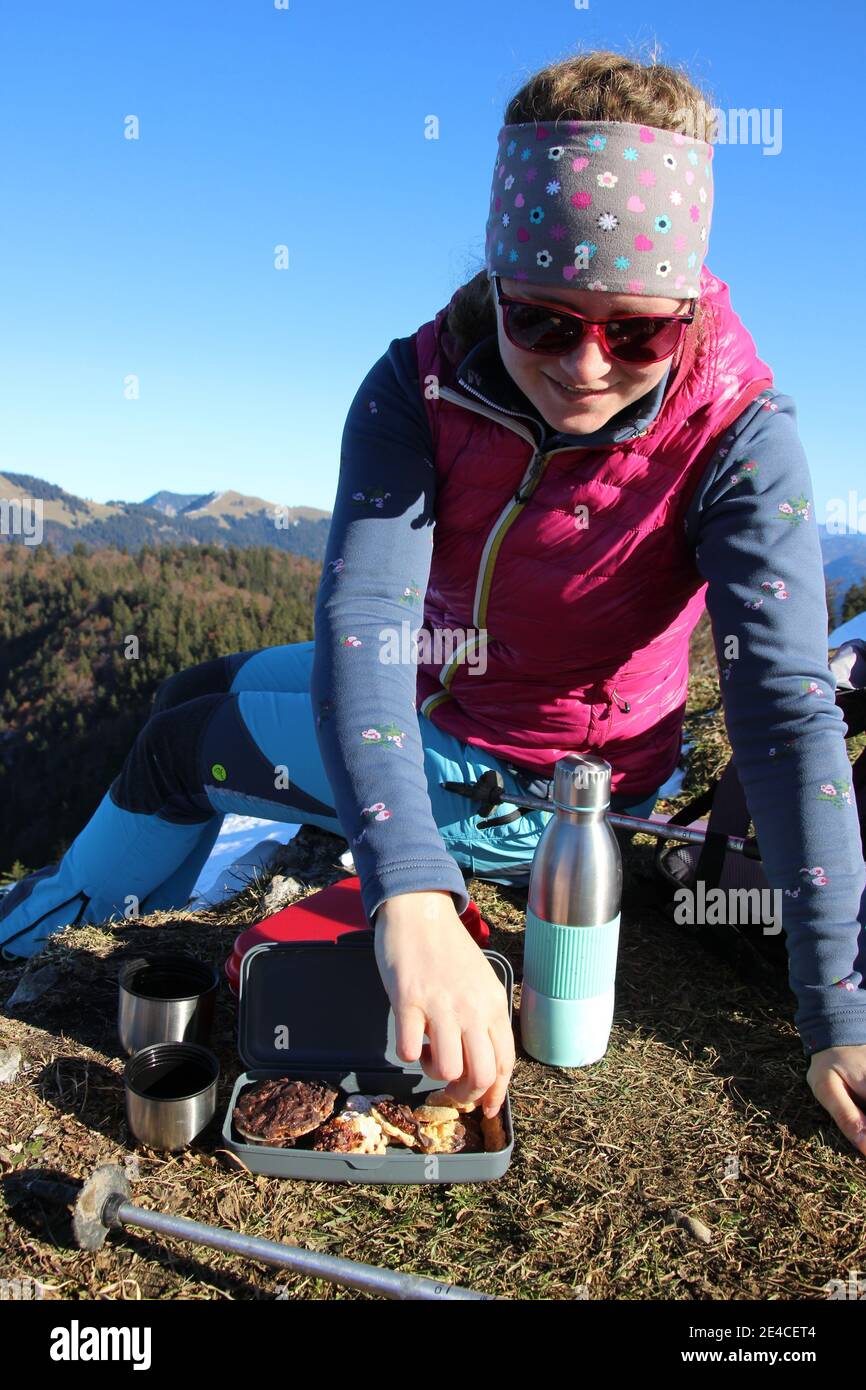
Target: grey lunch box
319,1011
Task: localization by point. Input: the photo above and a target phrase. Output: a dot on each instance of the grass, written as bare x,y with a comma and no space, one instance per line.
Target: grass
698,1113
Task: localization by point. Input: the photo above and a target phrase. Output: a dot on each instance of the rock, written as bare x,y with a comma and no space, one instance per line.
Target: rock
281,891
692,1224
10,1063
33,985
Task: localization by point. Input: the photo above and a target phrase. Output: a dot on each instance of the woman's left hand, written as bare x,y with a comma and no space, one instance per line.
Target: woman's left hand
837,1076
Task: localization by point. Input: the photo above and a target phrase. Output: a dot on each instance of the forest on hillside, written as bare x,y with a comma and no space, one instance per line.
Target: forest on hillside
74,690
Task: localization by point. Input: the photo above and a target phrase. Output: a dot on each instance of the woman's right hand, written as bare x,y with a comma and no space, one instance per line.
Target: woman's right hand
440,983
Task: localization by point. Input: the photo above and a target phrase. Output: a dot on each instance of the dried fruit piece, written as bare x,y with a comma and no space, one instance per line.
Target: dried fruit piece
493,1129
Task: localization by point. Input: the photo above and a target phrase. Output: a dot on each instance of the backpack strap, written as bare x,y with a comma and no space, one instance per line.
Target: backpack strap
729,816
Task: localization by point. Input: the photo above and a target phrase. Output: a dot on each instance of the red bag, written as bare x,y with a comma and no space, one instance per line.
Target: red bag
326,916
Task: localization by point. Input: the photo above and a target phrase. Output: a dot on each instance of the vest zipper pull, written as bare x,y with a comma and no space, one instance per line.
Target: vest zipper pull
537,464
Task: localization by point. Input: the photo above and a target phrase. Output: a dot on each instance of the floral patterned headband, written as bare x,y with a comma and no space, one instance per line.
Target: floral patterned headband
600,205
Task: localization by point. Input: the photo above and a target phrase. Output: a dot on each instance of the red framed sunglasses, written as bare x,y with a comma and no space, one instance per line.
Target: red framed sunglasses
635,338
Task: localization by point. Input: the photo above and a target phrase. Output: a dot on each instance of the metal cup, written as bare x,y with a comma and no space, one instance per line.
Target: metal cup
169,999
171,1092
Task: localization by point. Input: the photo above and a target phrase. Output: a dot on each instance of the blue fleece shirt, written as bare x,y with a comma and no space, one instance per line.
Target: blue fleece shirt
752,528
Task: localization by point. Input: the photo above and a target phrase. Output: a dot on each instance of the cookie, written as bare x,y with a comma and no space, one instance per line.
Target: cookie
493,1129
440,1098
351,1133
279,1111
436,1114
397,1121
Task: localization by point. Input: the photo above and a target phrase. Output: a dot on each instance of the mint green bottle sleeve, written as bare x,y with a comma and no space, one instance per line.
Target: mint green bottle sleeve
567,1000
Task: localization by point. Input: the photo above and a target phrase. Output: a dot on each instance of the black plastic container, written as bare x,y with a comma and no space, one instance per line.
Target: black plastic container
318,1011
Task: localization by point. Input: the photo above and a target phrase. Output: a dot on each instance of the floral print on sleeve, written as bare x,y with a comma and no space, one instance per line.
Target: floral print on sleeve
378,811
837,792
377,496
411,595
815,876
748,470
776,587
384,735
795,509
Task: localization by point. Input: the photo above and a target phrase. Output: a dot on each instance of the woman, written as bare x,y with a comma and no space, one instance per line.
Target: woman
601,451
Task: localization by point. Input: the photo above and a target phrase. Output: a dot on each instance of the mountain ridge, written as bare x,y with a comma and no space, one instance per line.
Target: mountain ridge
224,517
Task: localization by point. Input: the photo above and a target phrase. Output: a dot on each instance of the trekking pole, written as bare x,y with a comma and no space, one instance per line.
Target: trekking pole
663,830
102,1204
491,791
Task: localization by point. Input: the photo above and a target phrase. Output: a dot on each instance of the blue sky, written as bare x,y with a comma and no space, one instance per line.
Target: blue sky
305,127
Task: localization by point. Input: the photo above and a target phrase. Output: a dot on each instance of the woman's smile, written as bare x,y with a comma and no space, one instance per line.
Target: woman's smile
576,392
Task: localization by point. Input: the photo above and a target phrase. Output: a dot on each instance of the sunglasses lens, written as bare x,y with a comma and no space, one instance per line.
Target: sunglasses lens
630,340
537,330
642,340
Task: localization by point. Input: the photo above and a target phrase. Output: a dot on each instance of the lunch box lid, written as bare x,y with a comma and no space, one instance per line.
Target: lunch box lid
322,1003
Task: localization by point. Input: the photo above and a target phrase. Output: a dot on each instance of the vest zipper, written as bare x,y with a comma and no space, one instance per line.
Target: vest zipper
500,409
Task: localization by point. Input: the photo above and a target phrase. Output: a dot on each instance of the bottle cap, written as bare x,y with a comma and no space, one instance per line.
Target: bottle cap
581,782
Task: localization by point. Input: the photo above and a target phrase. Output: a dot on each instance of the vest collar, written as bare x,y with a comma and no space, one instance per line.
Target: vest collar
482,373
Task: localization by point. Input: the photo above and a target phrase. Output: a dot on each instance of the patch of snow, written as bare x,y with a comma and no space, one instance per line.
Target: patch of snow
855,627
245,846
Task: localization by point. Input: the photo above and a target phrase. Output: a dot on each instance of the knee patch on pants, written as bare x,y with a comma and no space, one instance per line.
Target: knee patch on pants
162,769
233,763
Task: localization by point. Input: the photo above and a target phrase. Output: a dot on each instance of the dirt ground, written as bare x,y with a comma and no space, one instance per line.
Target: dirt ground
692,1162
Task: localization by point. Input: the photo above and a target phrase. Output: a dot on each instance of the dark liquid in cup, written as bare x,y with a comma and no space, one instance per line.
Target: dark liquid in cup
185,1079
165,984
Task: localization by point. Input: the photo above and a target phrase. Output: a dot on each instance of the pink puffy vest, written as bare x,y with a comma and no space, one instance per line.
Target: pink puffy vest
584,615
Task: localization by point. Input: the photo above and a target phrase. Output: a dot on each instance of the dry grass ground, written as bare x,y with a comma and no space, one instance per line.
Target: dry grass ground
699,1112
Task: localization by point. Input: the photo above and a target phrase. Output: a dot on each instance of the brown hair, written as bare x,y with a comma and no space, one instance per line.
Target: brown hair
596,86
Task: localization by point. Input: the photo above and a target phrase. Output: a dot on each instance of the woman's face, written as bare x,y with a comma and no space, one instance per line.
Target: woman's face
610,385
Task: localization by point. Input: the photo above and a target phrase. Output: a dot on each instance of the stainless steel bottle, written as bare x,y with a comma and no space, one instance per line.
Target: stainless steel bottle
572,921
